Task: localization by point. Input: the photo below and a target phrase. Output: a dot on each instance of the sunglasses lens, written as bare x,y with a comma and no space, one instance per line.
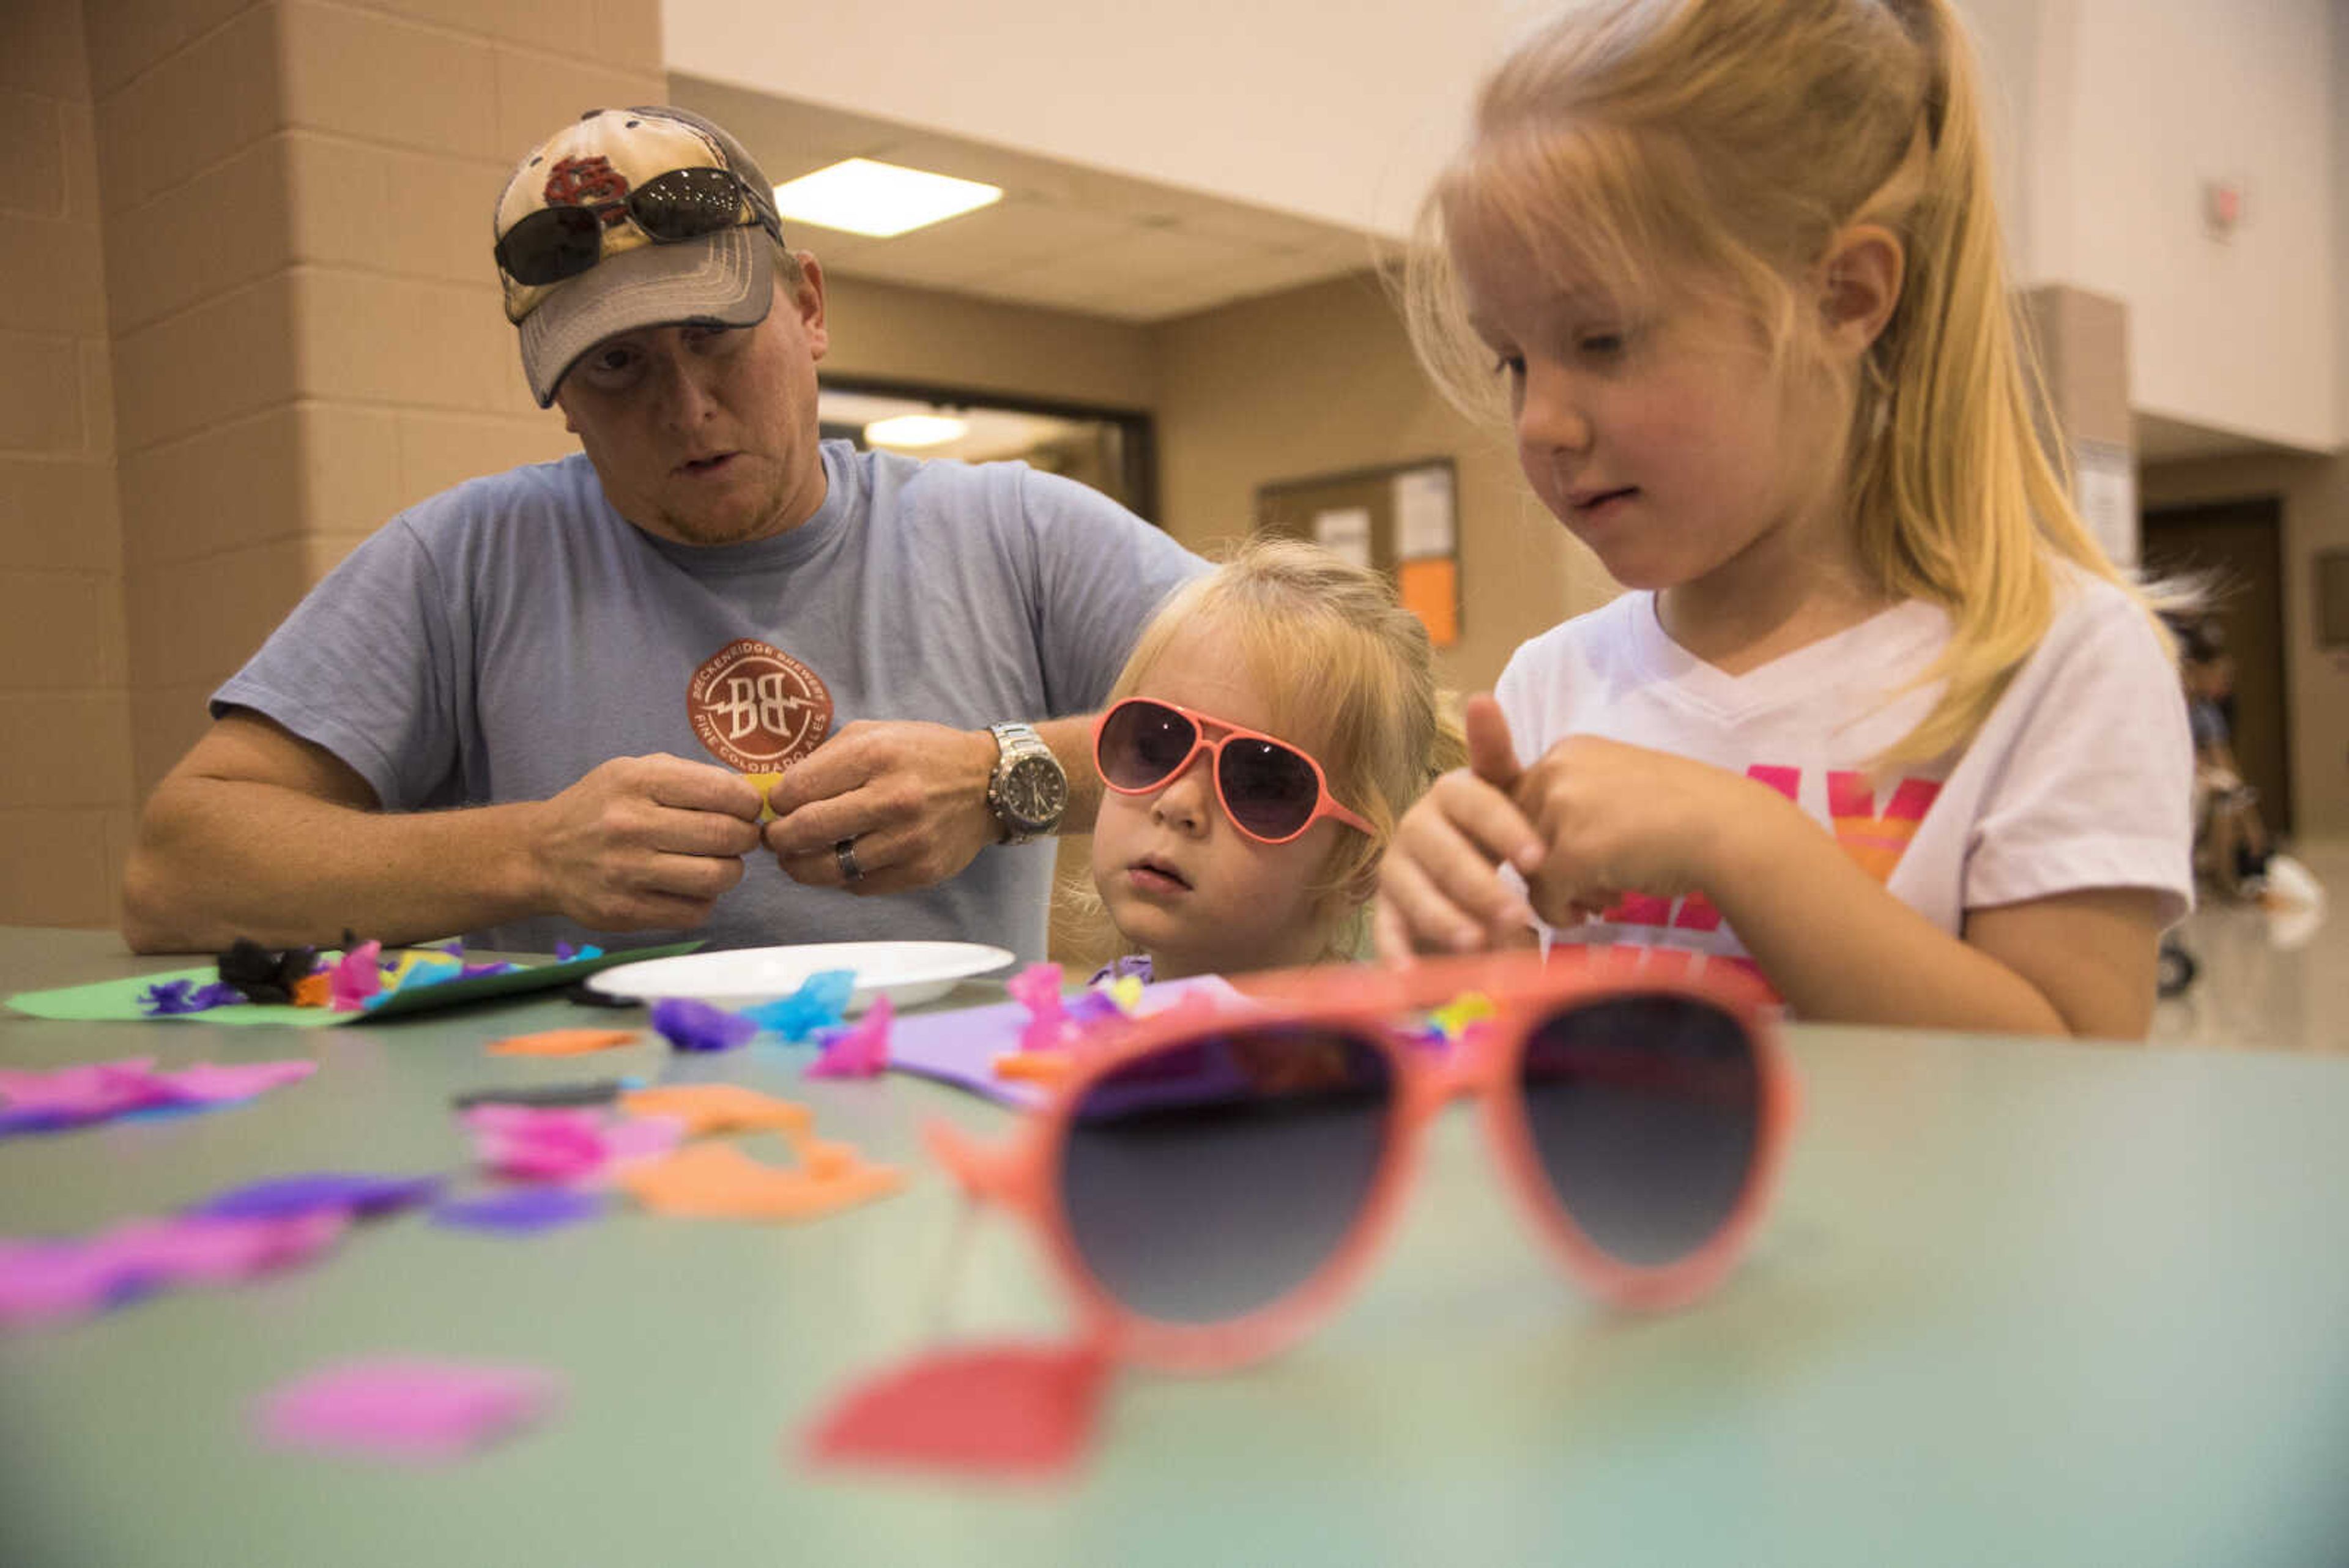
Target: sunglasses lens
1209,1180
1269,789
1646,1113
1142,742
686,204
551,244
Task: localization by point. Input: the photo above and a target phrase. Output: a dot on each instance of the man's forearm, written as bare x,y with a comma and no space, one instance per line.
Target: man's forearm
220,858
1072,740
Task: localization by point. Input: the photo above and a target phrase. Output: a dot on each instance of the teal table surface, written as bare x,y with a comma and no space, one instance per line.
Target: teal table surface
2019,1302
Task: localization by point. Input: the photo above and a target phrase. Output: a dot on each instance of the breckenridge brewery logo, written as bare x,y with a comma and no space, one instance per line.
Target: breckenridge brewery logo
757,708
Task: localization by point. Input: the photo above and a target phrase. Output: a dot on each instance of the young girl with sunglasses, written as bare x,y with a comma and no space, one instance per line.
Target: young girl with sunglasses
1877,717
1274,719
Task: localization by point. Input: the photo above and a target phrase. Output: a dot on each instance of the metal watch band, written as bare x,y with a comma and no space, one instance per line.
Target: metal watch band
1016,741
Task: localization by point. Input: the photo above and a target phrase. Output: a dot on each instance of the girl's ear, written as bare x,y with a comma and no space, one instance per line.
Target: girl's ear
1860,282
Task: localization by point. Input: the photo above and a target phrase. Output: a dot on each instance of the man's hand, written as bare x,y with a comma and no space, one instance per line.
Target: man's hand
644,843
1440,886
912,795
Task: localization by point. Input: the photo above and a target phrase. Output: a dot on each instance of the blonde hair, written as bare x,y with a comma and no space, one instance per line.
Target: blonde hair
1652,144
1336,656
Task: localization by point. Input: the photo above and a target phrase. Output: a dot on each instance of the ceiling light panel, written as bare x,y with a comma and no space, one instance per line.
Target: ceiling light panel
865,197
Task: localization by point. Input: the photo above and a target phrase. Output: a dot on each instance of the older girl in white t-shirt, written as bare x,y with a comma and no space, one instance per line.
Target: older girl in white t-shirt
1879,719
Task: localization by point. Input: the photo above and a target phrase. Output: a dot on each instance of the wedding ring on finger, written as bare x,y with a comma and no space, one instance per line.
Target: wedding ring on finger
845,853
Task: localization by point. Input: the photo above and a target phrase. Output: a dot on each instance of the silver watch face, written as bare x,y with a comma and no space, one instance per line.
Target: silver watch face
1034,794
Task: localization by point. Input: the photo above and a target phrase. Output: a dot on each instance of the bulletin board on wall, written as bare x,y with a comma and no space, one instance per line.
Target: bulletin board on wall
1401,518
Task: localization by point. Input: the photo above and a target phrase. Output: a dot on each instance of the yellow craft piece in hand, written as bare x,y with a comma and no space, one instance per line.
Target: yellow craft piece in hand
706,1108
718,1181
1125,990
765,784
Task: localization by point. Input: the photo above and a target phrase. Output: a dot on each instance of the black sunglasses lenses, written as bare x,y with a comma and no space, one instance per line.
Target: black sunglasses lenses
557,242
551,244
1142,742
1646,1115
1269,789
1211,1180
686,204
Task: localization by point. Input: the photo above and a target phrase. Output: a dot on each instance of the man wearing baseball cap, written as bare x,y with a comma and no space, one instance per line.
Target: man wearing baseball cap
562,700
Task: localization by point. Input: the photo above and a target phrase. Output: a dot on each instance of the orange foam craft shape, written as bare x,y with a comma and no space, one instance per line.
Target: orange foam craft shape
706,1108
563,1042
718,1181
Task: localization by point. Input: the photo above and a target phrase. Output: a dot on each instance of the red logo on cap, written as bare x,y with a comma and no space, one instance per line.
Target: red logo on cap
589,182
757,708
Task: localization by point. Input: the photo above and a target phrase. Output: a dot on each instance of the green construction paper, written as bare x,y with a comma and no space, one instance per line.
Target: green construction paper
117,1001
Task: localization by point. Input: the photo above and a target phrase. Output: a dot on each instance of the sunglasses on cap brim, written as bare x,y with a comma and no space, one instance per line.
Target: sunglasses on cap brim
554,243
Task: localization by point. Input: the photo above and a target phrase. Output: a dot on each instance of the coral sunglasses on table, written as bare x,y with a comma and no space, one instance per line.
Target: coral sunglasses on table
1212,1182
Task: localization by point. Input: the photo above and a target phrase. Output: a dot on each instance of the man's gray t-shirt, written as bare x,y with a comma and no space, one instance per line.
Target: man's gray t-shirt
500,640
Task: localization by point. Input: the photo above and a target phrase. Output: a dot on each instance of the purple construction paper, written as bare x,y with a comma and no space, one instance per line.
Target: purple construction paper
281,1196
523,1211
960,1047
690,1025
408,1409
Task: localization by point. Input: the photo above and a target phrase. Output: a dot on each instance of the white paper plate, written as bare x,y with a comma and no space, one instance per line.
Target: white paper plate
907,973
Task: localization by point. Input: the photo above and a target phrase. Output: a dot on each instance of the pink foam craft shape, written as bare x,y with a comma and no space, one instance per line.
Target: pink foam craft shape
861,1050
408,1409
356,975
195,1250
47,1282
70,1097
87,1092
207,1083
536,1143
1038,989
1013,1412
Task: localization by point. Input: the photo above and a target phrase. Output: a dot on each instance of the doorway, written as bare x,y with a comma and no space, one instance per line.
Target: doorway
2235,549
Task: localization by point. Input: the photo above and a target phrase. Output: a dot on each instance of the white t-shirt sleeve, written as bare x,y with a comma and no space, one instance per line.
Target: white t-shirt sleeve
2093,784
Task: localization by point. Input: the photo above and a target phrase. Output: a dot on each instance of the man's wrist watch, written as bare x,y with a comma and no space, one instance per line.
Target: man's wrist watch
1028,791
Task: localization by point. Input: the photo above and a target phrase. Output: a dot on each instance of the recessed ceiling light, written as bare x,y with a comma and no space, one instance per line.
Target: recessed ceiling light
864,196
914,430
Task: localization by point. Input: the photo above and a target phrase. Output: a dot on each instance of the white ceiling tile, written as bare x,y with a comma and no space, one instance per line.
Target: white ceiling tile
1064,237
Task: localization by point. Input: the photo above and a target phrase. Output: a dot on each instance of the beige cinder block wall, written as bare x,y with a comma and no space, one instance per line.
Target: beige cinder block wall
1321,380
301,330
64,732
308,332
